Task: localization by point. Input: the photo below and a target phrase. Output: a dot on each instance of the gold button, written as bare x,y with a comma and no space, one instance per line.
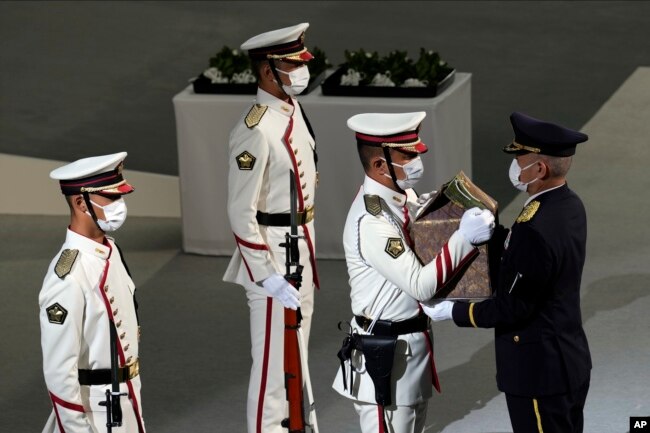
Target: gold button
106,288
112,299
307,197
122,335
115,311
302,174
118,324
129,359
126,347
295,151
516,338
299,163
304,185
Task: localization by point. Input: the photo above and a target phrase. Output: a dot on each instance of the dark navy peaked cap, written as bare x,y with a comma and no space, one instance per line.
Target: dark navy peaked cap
537,136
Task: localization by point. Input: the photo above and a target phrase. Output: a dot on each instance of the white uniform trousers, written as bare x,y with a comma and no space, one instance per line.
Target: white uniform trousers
267,400
399,419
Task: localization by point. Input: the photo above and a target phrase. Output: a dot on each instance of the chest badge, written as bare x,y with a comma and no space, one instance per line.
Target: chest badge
56,314
528,212
394,247
245,160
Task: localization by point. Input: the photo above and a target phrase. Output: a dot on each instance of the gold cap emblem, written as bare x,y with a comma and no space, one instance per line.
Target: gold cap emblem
394,247
245,160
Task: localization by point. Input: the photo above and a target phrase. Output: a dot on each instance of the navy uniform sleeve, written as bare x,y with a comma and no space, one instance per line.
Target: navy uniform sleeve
524,278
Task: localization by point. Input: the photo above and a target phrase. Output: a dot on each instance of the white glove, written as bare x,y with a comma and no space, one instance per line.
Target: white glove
477,225
423,198
440,311
280,289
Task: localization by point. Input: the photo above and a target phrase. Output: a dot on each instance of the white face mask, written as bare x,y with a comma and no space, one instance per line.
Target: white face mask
115,214
414,169
515,172
299,78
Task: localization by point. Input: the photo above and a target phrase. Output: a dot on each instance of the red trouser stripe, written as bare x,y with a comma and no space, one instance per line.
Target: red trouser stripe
434,372
265,364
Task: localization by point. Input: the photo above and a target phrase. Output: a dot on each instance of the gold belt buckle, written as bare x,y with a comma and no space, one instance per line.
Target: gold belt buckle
133,368
309,214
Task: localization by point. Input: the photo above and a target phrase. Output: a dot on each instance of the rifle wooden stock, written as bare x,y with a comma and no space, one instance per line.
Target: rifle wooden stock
293,372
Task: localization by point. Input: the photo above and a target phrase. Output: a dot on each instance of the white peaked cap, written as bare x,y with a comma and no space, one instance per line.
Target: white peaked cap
101,174
395,130
286,43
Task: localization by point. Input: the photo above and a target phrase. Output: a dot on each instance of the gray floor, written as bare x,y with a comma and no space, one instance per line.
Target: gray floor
561,60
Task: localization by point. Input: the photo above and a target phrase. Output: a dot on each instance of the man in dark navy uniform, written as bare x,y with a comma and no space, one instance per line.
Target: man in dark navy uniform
542,355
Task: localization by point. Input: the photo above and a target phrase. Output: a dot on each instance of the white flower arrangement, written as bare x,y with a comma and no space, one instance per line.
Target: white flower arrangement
215,76
351,78
382,80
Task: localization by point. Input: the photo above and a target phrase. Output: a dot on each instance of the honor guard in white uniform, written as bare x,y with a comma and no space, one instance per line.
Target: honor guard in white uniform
89,325
272,138
387,365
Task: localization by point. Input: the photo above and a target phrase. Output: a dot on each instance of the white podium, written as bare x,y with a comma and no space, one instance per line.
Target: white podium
203,124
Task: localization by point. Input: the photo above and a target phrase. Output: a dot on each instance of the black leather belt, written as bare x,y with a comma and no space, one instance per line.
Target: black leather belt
388,328
284,219
103,376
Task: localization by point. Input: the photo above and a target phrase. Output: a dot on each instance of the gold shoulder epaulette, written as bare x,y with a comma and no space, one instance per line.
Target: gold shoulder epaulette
65,262
528,212
373,204
255,115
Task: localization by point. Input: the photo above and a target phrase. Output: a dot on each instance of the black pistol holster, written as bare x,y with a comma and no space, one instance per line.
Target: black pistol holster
379,353
378,350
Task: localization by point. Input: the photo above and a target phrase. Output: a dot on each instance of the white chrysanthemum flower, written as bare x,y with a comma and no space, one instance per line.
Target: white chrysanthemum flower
244,77
414,82
382,80
215,75
351,78
235,52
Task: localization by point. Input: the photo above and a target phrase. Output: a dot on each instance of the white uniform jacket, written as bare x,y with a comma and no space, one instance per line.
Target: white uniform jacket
86,285
387,282
271,138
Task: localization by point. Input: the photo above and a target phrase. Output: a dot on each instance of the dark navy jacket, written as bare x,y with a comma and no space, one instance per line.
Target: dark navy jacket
541,347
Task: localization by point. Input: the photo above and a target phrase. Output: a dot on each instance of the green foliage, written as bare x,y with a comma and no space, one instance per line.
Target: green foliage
366,63
230,62
429,67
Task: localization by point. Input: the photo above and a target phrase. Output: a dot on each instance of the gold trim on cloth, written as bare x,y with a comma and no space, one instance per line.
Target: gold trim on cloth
528,212
373,204
539,418
514,146
409,146
65,262
295,56
101,188
471,314
255,115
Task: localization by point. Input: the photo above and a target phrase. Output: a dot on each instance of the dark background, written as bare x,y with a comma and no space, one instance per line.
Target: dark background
82,78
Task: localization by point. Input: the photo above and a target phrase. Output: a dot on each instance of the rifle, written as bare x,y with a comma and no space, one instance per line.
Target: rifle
295,362
112,402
